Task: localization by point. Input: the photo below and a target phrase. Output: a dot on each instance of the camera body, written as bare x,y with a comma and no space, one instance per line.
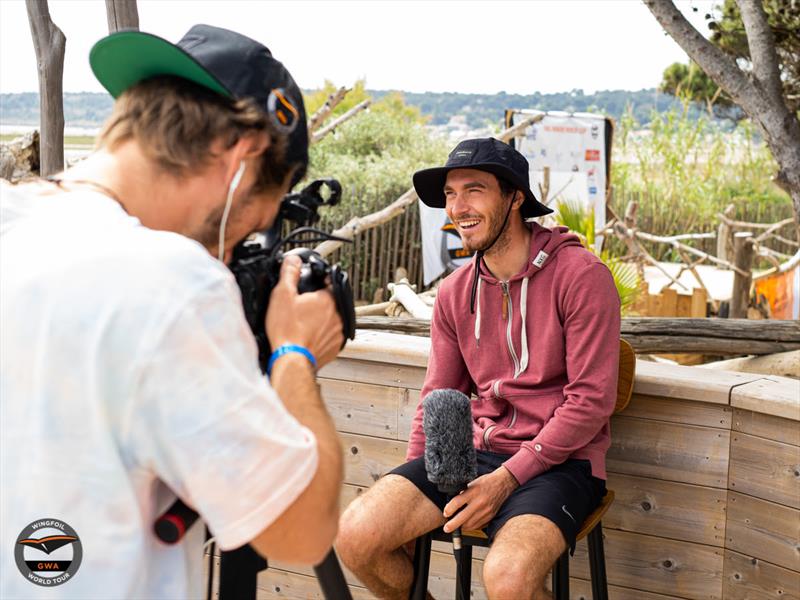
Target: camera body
256,263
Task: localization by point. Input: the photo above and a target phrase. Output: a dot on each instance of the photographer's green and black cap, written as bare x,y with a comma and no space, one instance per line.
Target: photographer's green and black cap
484,154
223,61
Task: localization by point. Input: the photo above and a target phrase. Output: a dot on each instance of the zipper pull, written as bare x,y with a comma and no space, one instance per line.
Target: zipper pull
505,301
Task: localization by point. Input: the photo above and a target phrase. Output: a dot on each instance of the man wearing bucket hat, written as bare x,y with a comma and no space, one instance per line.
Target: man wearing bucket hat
128,373
530,327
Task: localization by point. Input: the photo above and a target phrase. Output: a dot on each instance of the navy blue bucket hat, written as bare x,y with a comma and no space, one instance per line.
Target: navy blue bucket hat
484,154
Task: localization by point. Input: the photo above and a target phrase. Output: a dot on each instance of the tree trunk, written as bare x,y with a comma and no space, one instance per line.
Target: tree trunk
122,14
49,43
758,92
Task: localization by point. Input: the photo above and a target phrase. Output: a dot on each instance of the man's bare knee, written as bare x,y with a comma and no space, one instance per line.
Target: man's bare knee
522,554
384,518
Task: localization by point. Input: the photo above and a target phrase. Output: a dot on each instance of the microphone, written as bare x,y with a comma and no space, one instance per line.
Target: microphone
450,457
449,451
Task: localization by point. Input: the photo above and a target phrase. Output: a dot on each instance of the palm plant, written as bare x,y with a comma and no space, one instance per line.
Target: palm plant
580,221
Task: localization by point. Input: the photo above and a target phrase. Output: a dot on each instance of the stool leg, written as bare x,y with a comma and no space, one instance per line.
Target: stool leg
422,563
597,563
561,577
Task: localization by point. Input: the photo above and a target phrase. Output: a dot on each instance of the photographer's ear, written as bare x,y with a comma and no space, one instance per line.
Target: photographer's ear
248,146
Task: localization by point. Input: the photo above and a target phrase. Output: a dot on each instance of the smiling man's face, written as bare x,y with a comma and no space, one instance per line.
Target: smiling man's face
476,206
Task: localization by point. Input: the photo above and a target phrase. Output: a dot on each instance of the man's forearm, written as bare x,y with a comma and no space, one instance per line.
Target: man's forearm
304,532
295,382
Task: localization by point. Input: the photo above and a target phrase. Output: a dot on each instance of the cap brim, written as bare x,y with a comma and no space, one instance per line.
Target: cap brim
429,185
125,58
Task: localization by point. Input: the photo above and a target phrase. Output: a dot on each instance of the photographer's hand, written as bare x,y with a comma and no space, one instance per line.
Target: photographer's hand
309,319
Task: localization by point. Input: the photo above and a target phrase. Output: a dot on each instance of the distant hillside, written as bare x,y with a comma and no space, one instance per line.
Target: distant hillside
91,109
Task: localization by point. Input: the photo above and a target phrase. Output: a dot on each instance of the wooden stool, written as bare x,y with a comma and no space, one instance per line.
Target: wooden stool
591,529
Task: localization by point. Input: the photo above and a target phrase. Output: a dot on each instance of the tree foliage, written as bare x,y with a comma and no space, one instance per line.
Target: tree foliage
374,154
728,33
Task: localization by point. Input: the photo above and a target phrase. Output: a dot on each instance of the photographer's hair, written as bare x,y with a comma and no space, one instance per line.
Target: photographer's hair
175,122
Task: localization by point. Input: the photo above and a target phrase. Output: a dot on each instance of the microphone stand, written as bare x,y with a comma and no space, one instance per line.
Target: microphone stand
462,555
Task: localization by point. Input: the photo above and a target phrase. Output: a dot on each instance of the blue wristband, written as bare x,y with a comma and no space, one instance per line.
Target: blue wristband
286,349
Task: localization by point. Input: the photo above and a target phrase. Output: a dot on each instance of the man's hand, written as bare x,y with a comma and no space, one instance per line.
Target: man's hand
481,500
309,319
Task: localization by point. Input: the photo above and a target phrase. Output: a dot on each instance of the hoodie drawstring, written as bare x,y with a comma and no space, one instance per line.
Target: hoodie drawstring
478,316
523,334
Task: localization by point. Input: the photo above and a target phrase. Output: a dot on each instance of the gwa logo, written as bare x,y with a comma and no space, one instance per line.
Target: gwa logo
48,552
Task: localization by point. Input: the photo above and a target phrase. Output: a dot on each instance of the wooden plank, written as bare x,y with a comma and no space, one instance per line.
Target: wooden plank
674,410
406,412
392,348
699,304
683,306
669,303
748,578
362,407
374,372
656,564
366,459
766,426
777,396
687,383
765,469
277,583
763,529
669,451
678,511
581,589
441,579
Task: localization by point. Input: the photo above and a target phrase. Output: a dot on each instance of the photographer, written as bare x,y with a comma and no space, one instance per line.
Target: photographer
129,375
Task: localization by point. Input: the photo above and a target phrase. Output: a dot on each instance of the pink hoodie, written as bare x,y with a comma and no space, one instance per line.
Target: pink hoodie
545,377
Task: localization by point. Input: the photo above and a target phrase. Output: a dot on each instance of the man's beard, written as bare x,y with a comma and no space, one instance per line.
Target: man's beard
496,220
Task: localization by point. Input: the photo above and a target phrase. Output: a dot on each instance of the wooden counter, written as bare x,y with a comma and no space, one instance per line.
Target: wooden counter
705,465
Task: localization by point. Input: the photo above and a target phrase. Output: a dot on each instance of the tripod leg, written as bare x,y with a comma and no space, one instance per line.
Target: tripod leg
331,579
238,573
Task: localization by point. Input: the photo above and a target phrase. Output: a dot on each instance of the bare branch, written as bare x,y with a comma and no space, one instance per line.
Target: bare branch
322,113
718,65
316,137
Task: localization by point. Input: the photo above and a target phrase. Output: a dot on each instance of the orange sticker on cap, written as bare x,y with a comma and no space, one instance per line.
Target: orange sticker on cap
283,112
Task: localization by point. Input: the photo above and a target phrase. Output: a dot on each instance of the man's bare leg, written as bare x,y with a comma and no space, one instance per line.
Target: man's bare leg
521,556
374,528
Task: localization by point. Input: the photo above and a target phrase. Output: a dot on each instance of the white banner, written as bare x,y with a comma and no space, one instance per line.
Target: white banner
574,148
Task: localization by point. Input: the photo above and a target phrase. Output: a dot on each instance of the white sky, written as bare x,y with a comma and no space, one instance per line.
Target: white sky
456,46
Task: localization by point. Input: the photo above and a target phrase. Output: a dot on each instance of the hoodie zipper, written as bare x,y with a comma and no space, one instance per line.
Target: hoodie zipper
507,304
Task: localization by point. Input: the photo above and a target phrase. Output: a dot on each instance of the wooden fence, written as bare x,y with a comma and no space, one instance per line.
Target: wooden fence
705,466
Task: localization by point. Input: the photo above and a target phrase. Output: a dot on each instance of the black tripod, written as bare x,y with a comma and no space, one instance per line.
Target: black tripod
239,569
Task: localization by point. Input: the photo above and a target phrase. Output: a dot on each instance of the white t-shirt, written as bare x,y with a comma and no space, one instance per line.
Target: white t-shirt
128,375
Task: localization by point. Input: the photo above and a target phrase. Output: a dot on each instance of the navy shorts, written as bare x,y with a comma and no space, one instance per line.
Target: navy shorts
566,494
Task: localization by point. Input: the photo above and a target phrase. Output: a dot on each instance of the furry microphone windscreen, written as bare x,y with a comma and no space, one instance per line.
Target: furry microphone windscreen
449,451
